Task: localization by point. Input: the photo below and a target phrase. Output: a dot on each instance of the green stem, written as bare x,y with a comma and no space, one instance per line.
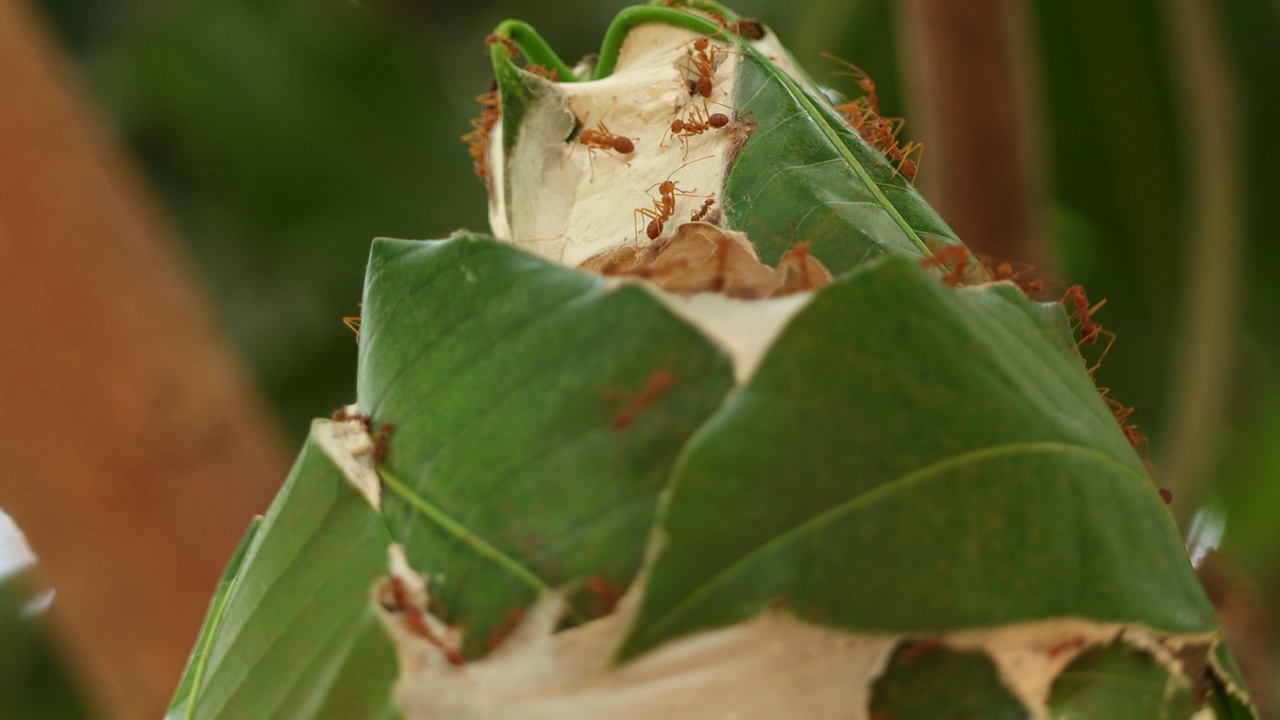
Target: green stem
532,46
632,17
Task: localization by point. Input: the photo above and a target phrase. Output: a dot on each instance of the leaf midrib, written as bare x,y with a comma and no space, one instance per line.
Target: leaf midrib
900,484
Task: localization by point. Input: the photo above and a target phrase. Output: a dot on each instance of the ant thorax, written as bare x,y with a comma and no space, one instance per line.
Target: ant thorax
585,172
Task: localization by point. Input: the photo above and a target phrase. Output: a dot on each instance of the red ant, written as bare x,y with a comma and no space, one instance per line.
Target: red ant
701,212
871,101
512,48
416,620
701,65
906,164
664,206
342,414
1089,330
658,383
603,139
749,28
353,324
1005,271
478,139
600,587
956,256
697,123
879,132
382,442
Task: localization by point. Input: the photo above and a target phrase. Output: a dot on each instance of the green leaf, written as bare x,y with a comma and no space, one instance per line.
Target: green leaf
291,632
195,666
537,415
928,682
1118,681
805,176
959,469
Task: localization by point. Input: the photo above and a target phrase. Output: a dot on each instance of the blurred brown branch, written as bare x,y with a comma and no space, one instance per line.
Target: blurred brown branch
135,448
973,84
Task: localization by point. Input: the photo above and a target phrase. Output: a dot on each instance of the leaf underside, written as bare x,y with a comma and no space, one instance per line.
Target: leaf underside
960,470
537,417
294,634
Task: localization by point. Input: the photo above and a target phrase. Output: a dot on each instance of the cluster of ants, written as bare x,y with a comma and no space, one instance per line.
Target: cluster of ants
880,132
958,267
381,439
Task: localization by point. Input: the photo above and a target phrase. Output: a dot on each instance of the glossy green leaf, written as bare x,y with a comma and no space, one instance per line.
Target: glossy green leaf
928,682
960,470
805,176
1118,681
537,415
291,632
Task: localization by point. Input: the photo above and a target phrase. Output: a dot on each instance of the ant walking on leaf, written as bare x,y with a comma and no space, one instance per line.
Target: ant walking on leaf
696,123
955,262
699,67
602,138
664,206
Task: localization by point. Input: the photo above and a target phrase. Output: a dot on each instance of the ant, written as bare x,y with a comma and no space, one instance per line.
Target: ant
603,139
664,206
512,48
478,139
353,324
603,590
658,383
880,132
955,256
697,123
1005,271
701,212
382,442
907,166
1089,330
701,65
748,28
870,101
415,619
342,414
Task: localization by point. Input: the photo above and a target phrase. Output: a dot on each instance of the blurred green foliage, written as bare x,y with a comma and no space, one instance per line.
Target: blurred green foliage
34,682
284,136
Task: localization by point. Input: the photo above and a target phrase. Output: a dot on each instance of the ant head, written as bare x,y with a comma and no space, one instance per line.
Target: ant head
700,44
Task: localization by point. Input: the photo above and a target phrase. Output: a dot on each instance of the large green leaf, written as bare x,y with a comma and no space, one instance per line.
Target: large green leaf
960,470
291,632
537,415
